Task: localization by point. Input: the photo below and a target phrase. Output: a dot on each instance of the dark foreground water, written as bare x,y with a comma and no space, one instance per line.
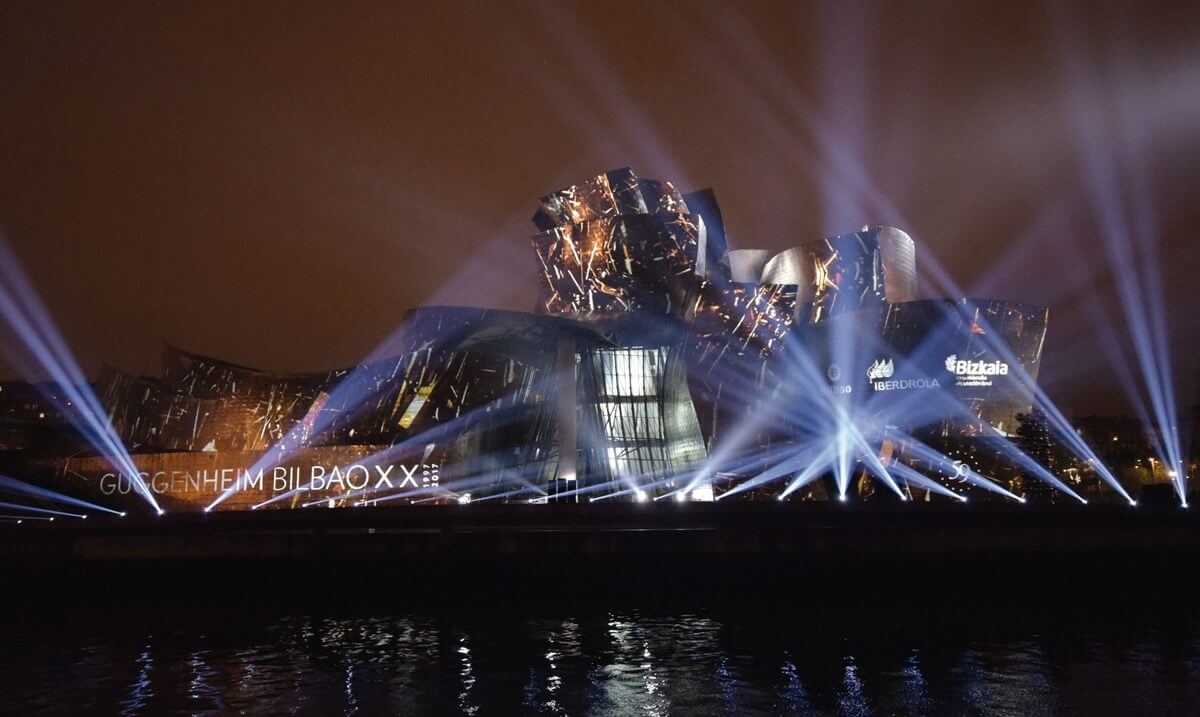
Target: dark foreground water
756,649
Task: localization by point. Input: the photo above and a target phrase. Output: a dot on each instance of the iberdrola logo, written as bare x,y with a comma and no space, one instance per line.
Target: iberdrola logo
880,374
882,368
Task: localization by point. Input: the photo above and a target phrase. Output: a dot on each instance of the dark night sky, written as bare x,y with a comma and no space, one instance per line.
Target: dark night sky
274,184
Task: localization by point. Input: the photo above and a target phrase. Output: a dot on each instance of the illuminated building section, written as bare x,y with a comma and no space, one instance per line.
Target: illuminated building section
654,348
747,331
616,244
204,404
985,353
747,319
640,426
606,195
602,267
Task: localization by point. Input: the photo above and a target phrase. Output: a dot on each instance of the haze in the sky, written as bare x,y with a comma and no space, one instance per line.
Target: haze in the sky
275,185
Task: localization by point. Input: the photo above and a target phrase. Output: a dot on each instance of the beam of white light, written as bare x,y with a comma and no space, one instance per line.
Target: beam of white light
942,463
17,486
814,411
41,348
1127,228
348,397
480,478
1060,427
1025,461
867,453
852,173
45,511
389,497
593,68
643,486
1112,346
840,168
788,464
1005,447
441,495
914,478
811,472
738,379
609,486
476,472
510,494
645,483
431,435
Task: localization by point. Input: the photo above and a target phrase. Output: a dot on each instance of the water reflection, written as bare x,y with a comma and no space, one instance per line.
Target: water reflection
851,700
913,691
140,690
603,660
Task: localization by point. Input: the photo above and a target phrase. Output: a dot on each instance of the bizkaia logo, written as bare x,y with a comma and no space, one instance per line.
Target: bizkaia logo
974,373
880,375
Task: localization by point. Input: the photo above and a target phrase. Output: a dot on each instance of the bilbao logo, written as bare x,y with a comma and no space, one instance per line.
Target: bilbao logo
834,373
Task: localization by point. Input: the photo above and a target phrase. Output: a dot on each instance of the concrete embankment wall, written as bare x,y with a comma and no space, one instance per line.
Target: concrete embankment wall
563,532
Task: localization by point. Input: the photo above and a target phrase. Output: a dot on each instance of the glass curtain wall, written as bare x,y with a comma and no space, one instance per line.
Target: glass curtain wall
622,432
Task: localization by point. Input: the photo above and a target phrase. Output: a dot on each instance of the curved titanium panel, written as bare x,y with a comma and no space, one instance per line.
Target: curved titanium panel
617,264
899,263
746,265
605,195
790,266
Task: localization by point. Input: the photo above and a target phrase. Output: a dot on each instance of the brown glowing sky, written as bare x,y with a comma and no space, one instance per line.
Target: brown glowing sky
275,185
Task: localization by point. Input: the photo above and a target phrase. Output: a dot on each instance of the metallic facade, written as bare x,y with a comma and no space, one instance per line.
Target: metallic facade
653,345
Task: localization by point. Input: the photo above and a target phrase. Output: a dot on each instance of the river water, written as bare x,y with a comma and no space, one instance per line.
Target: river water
757,651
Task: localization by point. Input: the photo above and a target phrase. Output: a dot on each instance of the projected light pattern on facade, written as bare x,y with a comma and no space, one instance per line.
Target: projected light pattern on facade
616,244
660,365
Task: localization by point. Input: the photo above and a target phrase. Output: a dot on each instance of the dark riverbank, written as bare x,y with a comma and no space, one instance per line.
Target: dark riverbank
703,546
